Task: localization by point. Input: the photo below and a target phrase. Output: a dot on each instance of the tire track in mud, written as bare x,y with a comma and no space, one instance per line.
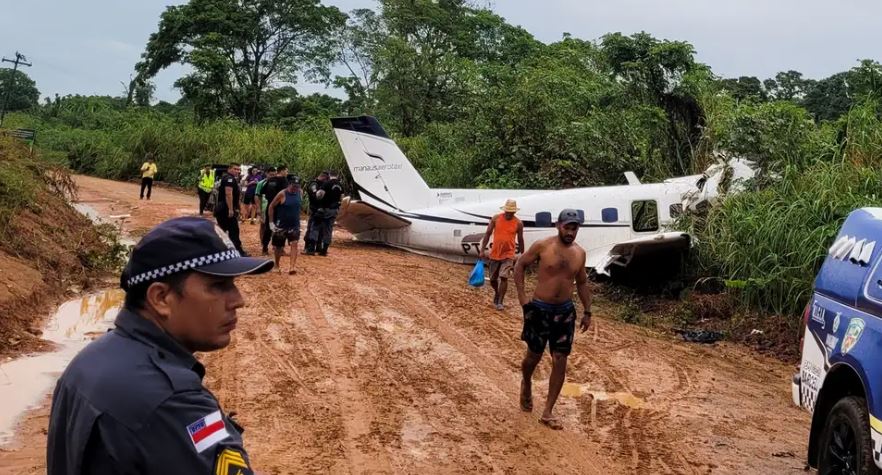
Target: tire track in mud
400,383
467,387
637,447
357,417
258,377
642,437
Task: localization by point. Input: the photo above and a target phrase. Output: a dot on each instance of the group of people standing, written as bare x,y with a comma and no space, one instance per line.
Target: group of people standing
275,197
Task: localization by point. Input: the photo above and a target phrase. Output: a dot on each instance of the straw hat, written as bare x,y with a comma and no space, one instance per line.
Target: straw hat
511,206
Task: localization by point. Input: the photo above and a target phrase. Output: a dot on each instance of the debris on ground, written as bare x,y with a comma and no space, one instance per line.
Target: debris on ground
700,336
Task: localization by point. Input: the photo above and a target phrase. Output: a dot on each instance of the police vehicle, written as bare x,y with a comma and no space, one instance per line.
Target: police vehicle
840,375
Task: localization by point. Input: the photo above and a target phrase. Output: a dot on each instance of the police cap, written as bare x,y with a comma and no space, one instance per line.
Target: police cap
187,244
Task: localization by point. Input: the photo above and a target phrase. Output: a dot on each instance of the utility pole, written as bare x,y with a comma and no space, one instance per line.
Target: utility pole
19,59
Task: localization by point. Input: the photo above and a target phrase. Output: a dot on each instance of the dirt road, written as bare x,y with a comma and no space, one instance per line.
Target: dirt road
372,360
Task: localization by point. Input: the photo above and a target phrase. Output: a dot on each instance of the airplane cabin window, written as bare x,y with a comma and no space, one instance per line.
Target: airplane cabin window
543,220
676,210
609,215
581,214
644,216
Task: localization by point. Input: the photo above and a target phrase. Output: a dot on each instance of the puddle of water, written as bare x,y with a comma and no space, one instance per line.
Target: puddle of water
88,212
94,216
574,390
25,381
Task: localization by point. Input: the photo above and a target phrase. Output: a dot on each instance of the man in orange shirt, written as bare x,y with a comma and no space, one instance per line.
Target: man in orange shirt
504,227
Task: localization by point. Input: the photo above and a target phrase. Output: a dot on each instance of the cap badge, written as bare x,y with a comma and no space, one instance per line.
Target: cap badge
224,237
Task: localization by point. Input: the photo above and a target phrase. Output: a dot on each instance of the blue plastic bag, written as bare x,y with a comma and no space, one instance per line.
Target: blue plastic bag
476,278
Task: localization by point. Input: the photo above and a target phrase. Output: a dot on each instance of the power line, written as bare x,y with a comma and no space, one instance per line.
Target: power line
20,59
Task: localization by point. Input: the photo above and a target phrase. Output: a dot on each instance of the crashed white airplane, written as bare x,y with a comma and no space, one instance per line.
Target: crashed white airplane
623,224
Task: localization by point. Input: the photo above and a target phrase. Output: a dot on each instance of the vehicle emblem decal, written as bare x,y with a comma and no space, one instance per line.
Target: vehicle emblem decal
836,322
832,341
852,334
818,315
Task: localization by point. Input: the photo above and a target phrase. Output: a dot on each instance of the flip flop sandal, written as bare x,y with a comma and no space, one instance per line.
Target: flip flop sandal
552,423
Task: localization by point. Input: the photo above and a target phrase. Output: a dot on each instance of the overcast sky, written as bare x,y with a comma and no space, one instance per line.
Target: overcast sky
91,46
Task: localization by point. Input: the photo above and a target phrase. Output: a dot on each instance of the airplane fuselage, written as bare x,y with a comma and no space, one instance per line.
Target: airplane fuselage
392,204
453,230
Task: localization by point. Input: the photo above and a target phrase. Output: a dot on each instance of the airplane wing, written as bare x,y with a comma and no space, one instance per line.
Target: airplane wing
623,253
358,217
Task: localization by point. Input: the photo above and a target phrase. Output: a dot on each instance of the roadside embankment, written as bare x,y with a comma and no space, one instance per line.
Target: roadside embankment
47,249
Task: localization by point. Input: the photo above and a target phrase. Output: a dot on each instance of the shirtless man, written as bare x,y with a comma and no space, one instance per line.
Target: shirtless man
550,317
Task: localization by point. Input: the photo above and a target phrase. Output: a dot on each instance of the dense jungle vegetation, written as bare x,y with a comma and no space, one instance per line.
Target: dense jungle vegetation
477,102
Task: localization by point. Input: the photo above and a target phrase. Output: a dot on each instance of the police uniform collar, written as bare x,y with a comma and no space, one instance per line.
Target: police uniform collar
167,348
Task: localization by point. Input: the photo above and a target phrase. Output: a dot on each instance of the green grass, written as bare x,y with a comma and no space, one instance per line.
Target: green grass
116,149
769,244
19,179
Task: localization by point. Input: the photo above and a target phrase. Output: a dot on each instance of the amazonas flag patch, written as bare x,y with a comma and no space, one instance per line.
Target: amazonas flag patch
208,431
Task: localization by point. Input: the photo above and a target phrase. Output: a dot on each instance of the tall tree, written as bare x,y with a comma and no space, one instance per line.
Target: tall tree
655,70
240,48
358,44
285,106
789,86
23,94
144,93
865,80
427,63
139,91
745,88
828,98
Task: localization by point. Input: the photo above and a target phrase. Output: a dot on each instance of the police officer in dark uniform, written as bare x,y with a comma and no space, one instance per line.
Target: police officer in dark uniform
331,195
132,402
270,190
226,211
315,203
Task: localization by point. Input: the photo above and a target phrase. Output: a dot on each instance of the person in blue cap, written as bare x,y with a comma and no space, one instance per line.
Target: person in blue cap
550,316
132,401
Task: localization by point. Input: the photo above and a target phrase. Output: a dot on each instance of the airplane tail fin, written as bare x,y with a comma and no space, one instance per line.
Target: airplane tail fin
383,175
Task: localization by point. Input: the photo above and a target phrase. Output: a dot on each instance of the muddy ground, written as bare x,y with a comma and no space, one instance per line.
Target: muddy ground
373,360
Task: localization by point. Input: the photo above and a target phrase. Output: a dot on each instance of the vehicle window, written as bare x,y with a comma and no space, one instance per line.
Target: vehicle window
676,210
609,215
543,220
644,216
